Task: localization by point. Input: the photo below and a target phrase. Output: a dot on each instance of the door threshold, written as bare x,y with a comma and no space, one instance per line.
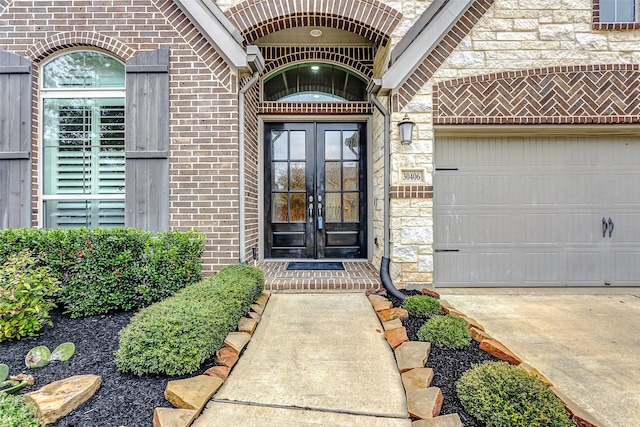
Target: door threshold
347,260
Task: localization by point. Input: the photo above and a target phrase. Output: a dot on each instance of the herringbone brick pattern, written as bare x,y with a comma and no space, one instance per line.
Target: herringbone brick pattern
581,94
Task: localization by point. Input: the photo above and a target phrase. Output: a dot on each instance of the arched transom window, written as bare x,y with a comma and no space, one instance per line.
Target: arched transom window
83,127
315,82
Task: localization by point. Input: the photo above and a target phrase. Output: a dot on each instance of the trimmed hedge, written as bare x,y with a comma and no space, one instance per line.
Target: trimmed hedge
501,395
14,413
445,331
102,270
421,305
177,335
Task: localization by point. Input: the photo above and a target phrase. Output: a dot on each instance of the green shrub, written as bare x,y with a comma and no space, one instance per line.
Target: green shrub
446,331
14,413
176,335
101,270
421,305
501,395
26,296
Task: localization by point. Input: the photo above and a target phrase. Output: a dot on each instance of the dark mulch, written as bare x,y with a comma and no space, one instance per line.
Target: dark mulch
122,400
448,365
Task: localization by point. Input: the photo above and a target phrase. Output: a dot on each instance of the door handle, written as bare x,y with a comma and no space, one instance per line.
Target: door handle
310,212
604,227
611,225
319,209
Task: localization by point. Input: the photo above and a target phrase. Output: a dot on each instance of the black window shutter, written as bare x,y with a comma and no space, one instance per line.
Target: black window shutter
15,141
147,141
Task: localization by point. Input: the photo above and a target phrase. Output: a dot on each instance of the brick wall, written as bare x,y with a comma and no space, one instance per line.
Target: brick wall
203,96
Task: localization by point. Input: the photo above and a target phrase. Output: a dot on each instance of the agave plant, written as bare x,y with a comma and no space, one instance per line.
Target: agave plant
12,385
41,356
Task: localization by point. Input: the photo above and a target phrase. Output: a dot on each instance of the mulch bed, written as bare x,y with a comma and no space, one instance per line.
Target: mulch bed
122,400
448,365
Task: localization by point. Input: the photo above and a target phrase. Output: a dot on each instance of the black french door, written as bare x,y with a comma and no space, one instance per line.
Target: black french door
315,190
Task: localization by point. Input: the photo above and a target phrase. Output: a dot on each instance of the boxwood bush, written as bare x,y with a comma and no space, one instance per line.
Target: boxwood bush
14,413
421,305
102,270
26,296
501,395
177,335
445,331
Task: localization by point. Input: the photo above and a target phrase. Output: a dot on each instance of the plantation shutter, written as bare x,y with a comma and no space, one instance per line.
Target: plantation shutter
147,141
15,141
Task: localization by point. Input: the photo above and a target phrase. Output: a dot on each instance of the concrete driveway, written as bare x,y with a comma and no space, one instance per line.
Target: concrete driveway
585,340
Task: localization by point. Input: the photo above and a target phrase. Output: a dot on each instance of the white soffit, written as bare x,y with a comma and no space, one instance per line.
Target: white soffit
218,30
424,43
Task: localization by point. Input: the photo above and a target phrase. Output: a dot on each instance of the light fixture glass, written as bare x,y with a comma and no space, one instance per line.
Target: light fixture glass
406,130
315,68
315,32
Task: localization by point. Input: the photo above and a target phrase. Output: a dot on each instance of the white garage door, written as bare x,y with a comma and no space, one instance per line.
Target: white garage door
530,211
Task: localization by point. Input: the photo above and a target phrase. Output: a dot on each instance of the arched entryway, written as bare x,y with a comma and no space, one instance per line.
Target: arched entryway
310,114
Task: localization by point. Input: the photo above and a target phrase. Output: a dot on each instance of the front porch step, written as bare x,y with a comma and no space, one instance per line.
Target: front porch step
355,276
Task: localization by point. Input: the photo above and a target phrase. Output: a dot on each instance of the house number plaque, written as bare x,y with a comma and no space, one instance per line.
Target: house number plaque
413,175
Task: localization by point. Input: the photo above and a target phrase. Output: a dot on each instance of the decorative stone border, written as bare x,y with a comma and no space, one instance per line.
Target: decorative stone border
424,402
190,395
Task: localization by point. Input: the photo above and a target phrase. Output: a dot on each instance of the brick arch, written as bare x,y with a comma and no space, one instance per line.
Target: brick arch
59,41
342,60
371,19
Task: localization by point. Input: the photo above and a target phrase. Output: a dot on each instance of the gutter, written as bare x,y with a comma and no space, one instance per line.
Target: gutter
241,156
385,276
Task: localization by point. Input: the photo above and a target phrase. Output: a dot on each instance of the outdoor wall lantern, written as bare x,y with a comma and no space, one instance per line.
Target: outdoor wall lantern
406,130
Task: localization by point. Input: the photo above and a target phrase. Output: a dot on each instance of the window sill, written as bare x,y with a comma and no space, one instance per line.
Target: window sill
616,26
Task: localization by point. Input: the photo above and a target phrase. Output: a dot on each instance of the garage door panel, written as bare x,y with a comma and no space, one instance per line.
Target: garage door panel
493,190
454,190
583,228
626,267
541,190
542,152
584,268
494,267
542,228
455,268
626,228
494,228
452,229
542,267
532,211
626,189
582,188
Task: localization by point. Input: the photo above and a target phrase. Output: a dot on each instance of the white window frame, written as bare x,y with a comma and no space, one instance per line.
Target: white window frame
70,93
635,14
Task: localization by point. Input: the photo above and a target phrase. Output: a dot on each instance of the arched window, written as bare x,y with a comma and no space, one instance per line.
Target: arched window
315,82
83,127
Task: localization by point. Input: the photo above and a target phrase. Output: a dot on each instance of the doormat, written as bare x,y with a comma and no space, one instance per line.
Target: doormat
315,266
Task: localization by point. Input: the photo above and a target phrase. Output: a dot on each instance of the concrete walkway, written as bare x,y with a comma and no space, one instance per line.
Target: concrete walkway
585,340
314,360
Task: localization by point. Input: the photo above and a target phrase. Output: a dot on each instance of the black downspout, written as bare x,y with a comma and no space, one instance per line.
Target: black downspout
385,277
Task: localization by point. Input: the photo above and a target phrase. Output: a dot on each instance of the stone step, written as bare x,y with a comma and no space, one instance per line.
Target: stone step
498,350
192,393
247,325
392,324
237,341
449,420
424,402
412,354
226,356
171,417
417,378
395,337
55,400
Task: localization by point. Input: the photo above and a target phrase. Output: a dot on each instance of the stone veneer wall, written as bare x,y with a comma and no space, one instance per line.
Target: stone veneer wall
203,96
511,35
